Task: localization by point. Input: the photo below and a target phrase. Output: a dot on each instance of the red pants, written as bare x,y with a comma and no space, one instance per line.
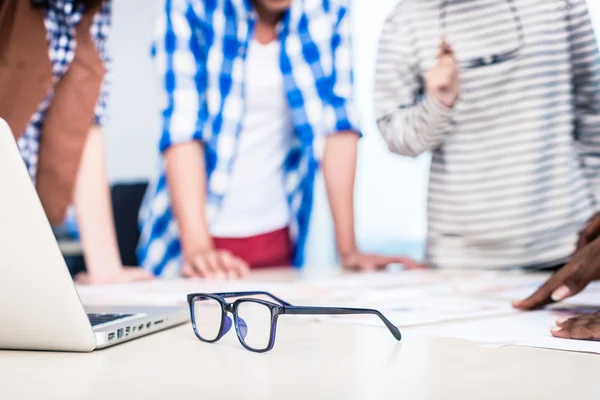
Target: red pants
273,249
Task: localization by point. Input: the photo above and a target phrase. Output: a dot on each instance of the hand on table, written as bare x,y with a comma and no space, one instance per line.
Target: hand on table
124,275
371,262
442,81
569,280
583,327
215,264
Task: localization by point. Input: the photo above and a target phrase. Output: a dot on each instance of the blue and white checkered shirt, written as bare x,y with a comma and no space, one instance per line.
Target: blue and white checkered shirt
60,19
200,51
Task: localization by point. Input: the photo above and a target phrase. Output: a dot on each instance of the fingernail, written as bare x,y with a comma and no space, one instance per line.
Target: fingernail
562,320
555,329
561,293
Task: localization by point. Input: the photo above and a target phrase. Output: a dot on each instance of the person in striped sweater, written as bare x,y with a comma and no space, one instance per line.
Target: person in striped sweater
505,94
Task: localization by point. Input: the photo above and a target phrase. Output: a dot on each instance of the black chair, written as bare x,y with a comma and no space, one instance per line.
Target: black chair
126,200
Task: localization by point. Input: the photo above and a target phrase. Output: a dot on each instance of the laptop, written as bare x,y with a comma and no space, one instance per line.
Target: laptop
39,305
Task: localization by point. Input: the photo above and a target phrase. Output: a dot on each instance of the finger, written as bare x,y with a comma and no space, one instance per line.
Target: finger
566,324
564,329
408,262
544,295
242,266
564,321
574,284
226,260
585,331
445,49
188,271
230,265
384,261
215,265
202,267
573,320
442,48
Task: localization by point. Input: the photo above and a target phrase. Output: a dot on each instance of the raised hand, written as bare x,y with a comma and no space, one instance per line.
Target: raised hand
442,82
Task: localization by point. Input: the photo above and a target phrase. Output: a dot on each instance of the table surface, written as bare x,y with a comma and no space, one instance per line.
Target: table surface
311,360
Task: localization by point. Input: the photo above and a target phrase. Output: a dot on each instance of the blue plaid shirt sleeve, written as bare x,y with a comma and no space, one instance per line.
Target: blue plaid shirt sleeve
341,113
99,31
179,64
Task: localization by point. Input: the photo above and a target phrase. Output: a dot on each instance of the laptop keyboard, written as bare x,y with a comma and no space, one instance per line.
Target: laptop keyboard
99,319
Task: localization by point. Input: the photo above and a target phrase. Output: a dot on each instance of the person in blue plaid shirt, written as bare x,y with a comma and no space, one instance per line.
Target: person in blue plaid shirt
256,95
78,59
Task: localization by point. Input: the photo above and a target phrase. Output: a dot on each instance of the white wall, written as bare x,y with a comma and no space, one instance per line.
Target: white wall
134,123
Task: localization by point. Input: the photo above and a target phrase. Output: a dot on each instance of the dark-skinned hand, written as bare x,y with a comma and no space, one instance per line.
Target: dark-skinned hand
583,268
583,327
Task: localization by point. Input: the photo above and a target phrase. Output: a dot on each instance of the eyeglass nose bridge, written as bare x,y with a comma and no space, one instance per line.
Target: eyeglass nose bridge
229,307
241,326
227,320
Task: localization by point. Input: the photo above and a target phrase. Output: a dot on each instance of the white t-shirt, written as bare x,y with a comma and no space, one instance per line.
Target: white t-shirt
256,200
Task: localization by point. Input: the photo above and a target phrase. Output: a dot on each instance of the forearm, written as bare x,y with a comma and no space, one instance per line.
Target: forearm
94,210
339,171
410,124
414,130
187,181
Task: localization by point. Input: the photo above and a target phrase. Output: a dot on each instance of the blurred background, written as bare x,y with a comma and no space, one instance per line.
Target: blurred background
391,191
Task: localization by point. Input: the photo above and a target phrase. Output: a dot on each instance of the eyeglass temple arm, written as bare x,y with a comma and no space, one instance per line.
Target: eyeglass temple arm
242,294
298,310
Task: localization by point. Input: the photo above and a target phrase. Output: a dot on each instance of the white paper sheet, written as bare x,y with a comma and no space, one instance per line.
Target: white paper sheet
171,292
531,329
423,310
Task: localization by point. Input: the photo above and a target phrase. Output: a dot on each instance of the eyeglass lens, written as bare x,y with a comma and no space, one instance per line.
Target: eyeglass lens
208,316
254,324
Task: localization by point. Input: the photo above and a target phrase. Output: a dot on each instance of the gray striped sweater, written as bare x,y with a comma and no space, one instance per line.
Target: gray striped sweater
516,162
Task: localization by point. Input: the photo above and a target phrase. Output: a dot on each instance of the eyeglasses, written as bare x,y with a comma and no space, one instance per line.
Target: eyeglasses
493,58
255,320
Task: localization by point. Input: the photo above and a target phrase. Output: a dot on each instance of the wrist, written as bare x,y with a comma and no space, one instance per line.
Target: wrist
441,104
193,249
103,273
347,251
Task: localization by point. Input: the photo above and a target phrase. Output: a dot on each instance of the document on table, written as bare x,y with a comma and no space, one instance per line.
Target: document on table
530,329
168,292
421,310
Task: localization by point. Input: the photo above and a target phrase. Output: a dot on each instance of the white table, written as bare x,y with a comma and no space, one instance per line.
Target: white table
310,360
